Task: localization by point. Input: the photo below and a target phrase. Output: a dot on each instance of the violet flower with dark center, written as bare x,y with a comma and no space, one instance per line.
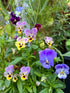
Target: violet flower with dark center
14,19
38,26
62,70
31,34
24,72
46,57
8,72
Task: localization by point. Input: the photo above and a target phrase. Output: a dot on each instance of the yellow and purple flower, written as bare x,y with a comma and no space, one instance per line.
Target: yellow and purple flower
31,34
20,43
20,26
8,72
62,70
15,78
46,57
24,72
49,41
38,26
14,19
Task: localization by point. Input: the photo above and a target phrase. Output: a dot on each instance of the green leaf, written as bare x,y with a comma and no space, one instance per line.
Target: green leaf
34,46
45,4
7,83
59,91
67,54
68,44
34,89
1,82
8,28
37,73
59,84
29,89
19,85
6,91
18,59
46,90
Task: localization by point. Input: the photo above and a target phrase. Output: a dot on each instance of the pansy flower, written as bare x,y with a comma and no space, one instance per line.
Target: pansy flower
49,41
20,26
24,71
20,43
18,10
46,57
38,26
15,78
14,19
62,70
31,34
8,72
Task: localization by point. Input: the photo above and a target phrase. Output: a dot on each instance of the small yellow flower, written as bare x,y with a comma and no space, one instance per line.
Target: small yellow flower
20,31
20,44
23,77
50,43
9,77
42,44
15,79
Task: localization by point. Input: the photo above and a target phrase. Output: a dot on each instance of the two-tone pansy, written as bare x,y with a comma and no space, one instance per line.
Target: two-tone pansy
20,43
62,70
46,57
37,26
49,41
8,72
24,72
14,19
20,26
15,78
31,34
18,10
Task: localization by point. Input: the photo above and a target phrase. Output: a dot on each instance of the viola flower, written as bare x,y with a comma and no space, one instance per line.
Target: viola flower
38,26
14,19
8,72
20,43
46,57
37,83
24,72
18,10
15,78
20,26
49,41
31,34
15,37
62,70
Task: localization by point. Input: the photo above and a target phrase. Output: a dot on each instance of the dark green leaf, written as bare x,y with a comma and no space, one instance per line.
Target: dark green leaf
7,83
19,85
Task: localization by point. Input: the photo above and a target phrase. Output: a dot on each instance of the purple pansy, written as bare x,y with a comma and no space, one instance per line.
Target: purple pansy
8,72
20,26
31,34
14,19
38,26
46,57
24,71
15,37
49,41
62,70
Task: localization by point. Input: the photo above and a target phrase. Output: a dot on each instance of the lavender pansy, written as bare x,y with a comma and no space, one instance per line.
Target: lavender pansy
14,19
49,41
24,72
8,72
62,70
20,26
46,57
31,34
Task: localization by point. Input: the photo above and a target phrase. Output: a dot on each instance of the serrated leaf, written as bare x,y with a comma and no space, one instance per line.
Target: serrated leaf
18,59
19,85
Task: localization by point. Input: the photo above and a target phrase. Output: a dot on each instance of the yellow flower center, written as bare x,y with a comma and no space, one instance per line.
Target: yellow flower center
15,20
9,77
30,39
23,77
47,62
61,72
14,79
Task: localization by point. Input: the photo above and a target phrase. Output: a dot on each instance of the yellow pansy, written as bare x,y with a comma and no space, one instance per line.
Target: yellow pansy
9,77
